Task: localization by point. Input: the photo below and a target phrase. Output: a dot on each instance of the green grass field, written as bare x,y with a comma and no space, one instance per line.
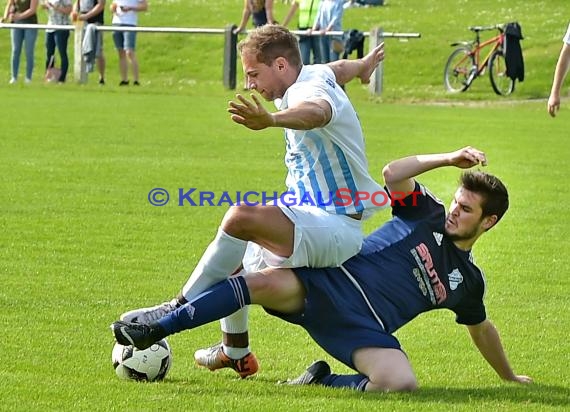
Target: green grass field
80,243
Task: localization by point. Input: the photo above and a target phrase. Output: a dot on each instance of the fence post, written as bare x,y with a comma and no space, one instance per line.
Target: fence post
376,82
230,57
79,69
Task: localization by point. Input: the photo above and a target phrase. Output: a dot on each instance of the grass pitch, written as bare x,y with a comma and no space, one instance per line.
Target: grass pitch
80,243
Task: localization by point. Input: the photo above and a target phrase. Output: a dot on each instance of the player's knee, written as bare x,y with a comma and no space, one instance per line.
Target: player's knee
381,382
258,284
239,221
276,289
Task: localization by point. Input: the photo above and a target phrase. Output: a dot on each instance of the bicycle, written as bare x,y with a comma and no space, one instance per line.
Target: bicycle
464,64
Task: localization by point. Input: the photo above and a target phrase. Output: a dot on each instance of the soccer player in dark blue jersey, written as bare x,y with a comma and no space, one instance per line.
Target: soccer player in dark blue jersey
418,261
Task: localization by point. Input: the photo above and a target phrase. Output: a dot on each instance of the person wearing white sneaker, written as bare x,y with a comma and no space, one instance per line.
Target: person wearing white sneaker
325,155
22,12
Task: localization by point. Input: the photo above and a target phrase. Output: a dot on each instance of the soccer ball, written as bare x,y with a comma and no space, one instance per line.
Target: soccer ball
151,364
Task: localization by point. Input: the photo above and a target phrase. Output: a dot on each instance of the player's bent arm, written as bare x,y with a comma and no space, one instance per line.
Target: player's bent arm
398,174
346,70
487,340
304,116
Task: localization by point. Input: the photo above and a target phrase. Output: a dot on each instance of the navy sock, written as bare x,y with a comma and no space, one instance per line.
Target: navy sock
220,300
357,382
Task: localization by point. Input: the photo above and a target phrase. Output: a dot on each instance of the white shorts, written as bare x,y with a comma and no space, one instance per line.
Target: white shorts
321,240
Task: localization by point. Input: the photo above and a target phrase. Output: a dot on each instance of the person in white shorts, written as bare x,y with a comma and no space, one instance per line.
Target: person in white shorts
329,188
559,75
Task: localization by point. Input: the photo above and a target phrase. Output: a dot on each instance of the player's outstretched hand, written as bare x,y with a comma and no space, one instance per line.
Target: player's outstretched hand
370,62
467,157
251,114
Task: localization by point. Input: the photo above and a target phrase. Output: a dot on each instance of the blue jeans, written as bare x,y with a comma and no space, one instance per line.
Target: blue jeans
327,53
308,44
58,38
28,38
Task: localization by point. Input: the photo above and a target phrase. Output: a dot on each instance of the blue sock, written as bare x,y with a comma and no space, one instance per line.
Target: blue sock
357,382
220,300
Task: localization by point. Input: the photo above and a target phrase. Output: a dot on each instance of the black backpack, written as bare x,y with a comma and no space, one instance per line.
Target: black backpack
513,51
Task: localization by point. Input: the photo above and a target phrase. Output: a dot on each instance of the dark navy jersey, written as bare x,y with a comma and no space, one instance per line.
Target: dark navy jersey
408,266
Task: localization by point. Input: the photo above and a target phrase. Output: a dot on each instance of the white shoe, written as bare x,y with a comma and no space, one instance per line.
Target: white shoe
27,81
13,80
214,358
147,315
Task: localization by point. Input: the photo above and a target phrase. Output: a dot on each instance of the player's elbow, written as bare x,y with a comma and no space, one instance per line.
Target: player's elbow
388,174
319,118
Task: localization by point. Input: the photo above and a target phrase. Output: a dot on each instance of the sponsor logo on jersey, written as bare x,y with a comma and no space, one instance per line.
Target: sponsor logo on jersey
421,283
455,278
424,260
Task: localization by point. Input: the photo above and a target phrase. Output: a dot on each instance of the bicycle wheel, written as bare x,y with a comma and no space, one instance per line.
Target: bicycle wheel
459,72
502,84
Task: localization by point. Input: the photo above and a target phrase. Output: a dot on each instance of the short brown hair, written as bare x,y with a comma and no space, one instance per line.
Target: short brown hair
492,190
270,41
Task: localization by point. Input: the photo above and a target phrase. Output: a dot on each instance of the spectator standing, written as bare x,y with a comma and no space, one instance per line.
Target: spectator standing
93,12
58,14
261,12
329,18
125,13
559,75
22,12
307,14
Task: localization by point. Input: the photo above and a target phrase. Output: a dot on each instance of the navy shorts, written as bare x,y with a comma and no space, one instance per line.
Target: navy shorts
337,316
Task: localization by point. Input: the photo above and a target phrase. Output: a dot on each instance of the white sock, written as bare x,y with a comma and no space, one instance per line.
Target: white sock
235,353
222,257
236,323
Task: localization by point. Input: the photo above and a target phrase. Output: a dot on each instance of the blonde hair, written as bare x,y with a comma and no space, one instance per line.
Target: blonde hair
269,42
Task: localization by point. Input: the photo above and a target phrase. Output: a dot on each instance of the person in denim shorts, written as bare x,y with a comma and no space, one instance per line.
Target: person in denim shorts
125,14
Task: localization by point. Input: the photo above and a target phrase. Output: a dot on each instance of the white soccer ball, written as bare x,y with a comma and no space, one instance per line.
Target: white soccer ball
151,364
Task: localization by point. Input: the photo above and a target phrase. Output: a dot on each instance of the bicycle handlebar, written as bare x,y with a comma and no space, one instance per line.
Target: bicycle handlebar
476,29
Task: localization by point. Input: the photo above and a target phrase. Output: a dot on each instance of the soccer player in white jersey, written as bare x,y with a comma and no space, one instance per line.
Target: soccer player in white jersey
560,72
329,186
